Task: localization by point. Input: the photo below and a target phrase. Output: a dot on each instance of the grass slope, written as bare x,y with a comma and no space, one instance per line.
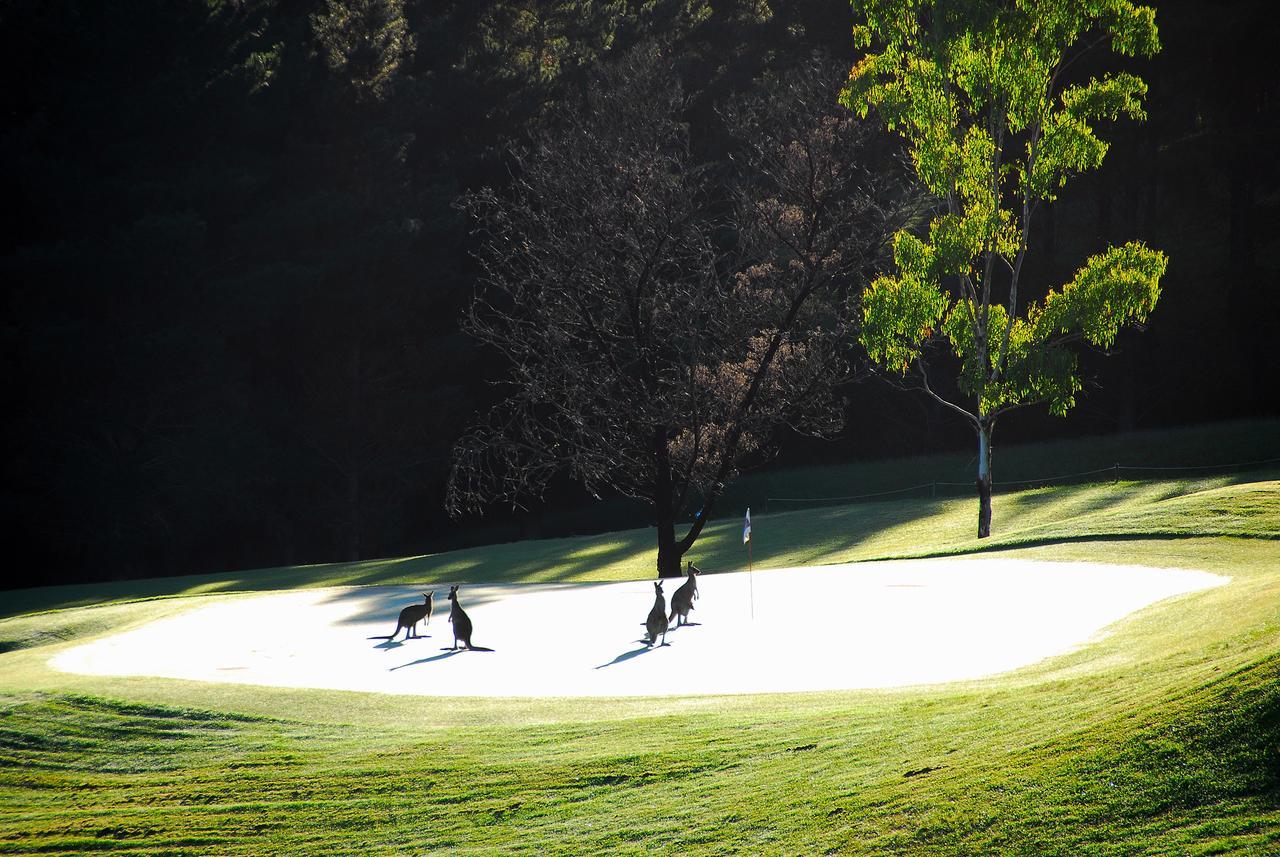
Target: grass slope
1235,505
1163,737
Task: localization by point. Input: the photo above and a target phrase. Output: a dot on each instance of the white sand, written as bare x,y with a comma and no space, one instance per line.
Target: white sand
866,625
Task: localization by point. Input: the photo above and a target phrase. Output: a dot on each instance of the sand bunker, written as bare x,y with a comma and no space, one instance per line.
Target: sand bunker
865,625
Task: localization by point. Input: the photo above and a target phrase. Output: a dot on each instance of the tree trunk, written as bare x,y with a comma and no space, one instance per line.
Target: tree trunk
670,552
984,480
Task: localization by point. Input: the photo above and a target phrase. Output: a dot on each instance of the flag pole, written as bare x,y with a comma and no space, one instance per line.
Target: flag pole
751,577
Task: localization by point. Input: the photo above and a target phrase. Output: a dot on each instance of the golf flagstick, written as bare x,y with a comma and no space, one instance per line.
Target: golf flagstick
751,577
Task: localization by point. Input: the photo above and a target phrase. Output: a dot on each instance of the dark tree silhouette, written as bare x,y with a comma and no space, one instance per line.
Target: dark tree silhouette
645,357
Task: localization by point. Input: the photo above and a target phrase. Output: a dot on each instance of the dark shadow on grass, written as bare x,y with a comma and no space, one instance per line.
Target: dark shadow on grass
719,546
967,550
384,601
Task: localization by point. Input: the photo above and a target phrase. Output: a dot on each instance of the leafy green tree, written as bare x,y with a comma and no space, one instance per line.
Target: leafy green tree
365,42
981,91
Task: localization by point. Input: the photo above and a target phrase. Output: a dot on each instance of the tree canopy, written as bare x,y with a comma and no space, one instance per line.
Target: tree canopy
661,316
234,275
982,93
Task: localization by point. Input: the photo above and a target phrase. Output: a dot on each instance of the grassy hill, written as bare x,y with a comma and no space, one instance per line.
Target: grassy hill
1241,505
1161,737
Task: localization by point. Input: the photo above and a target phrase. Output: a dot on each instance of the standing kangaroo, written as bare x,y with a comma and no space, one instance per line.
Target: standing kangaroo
657,622
411,616
461,623
682,599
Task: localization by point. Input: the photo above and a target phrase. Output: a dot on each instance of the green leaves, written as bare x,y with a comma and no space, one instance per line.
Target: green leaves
943,68
977,91
1067,144
899,314
1132,28
1032,370
366,42
1113,289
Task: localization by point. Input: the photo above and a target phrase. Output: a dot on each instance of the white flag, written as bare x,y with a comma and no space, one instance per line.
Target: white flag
746,527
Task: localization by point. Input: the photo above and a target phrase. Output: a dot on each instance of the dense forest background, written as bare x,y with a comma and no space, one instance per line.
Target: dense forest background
234,274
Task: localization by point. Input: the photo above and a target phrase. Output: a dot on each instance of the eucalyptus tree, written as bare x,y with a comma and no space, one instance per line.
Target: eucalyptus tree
657,326
982,91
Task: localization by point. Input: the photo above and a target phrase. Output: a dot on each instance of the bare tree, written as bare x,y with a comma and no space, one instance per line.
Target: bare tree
646,358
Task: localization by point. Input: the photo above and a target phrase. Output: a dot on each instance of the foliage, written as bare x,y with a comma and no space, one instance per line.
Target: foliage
195,231
365,41
981,92
644,358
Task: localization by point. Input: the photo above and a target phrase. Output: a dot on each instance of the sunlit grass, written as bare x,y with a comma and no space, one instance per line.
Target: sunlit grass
1222,505
1160,737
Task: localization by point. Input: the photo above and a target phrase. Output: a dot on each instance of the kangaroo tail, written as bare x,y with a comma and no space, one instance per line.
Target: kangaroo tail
479,649
672,617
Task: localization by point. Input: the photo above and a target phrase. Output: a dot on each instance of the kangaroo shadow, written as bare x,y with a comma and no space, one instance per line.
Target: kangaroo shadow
626,656
395,644
447,653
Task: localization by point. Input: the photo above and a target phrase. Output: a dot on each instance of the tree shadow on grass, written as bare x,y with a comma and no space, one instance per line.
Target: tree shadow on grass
382,603
814,534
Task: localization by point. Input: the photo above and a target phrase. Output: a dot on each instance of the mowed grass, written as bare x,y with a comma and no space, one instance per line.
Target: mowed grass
1243,505
1161,737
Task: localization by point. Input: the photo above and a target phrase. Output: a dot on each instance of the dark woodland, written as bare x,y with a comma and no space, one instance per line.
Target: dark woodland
236,267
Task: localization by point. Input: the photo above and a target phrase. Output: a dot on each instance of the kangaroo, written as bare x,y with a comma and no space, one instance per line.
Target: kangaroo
682,599
410,617
461,623
657,622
